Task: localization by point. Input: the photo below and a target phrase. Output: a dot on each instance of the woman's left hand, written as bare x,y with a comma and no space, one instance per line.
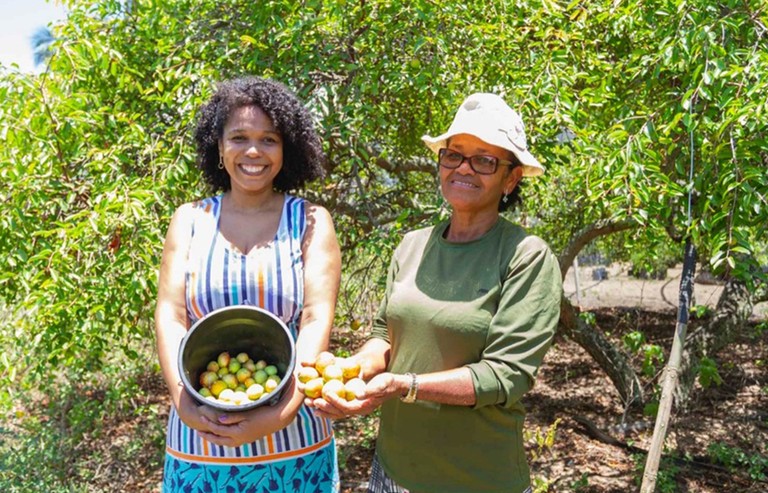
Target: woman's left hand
235,429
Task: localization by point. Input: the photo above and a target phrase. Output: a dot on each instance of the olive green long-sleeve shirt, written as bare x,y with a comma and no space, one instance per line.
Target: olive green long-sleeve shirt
491,305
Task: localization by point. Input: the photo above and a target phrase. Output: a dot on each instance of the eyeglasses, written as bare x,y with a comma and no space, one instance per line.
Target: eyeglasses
480,164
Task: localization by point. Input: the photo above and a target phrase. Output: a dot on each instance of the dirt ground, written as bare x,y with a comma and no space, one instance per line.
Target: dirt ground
620,289
598,445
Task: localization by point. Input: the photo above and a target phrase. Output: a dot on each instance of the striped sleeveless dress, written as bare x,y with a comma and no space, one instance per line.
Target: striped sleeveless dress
302,456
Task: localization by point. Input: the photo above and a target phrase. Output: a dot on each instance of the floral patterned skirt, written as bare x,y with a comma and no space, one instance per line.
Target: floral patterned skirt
315,472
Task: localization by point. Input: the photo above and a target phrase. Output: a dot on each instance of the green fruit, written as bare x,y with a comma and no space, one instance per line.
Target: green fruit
212,366
250,365
271,370
261,364
234,366
243,358
205,392
230,380
223,371
260,376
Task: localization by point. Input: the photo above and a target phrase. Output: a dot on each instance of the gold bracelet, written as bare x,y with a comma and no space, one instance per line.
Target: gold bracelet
413,389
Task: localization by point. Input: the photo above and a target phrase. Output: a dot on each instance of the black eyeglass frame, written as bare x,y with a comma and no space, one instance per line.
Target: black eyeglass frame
468,159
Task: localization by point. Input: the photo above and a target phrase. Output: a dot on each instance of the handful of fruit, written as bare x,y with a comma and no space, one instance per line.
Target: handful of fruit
238,380
329,374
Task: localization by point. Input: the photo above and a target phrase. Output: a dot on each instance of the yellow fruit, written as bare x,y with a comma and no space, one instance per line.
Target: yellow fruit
254,391
307,373
354,389
242,375
355,324
270,385
333,372
227,395
335,387
248,382
240,397
242,358
314,388
212,366
349,368
323,360
217,387
261,364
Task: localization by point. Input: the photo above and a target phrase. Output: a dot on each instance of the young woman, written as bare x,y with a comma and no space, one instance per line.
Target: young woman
250,243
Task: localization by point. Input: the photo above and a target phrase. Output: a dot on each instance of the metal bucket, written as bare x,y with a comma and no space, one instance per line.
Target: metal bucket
237,329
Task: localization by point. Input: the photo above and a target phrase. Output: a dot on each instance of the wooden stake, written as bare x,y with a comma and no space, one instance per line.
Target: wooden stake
671,372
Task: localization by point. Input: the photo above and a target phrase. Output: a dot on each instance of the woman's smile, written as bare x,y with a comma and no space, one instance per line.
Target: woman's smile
463,183
252,169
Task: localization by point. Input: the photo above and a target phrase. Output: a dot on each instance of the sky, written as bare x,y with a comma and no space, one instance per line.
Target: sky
18,20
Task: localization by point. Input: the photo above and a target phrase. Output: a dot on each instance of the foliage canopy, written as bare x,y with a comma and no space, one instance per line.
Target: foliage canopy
619,98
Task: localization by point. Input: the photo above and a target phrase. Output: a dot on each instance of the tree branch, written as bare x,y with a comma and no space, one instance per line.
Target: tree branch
589,233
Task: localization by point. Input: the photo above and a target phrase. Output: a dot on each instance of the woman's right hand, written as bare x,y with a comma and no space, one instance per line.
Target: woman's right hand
195,415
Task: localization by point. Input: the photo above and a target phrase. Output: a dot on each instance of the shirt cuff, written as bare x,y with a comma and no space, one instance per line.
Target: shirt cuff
487,388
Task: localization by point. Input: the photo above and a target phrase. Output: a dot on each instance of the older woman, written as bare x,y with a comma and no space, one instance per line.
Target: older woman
470,309
250,243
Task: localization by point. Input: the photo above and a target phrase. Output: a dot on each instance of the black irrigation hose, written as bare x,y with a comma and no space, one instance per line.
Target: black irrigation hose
698,461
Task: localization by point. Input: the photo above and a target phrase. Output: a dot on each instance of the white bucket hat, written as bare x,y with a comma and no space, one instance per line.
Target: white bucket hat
490,119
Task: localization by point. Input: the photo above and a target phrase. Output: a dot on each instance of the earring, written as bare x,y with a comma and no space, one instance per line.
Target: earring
221,161
506,198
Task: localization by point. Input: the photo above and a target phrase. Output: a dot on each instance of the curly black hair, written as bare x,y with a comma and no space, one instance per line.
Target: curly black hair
303,156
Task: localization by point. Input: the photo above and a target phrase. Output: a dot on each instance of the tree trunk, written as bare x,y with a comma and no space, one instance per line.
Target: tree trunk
611,360
731,314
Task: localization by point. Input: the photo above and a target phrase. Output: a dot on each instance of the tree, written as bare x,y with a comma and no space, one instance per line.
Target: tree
41,42
98,154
